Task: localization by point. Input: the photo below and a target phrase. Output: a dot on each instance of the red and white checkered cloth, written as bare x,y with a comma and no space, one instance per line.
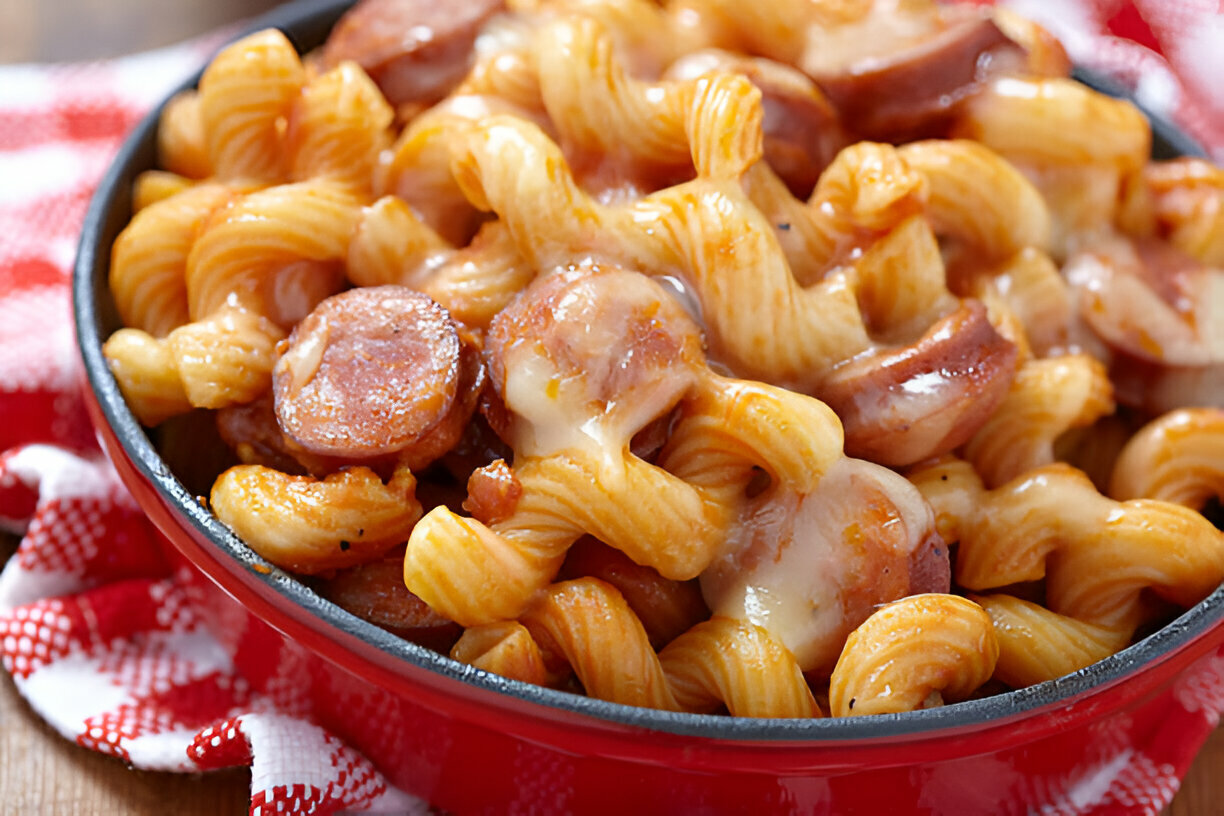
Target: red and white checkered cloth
97,629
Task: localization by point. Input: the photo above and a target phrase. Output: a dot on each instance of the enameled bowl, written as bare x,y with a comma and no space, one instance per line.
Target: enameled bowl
468,741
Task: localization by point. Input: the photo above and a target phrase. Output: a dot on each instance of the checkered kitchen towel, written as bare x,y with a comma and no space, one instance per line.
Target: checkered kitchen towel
96,627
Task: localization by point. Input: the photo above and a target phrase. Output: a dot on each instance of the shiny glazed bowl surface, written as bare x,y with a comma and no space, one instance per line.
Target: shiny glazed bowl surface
470,742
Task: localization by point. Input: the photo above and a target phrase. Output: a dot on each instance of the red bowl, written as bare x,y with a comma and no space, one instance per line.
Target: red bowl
469,741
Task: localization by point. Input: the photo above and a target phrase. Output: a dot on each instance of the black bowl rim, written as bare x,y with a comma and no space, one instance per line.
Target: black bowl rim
303,20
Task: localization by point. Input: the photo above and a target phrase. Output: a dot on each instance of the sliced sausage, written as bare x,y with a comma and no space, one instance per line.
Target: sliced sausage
375,592
589,343
930,568
802,130
253,434
417,51
903,405
666,608
812,567
901,85
376,372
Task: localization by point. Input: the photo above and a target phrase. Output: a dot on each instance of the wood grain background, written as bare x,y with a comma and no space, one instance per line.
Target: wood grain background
39,771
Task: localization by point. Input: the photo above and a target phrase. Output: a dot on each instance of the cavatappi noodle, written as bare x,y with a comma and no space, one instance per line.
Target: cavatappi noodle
782,359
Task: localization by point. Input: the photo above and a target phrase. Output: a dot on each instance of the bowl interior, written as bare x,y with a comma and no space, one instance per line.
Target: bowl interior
307,22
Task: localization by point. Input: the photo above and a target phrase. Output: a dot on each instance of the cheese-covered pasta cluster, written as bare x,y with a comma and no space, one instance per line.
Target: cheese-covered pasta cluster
777,359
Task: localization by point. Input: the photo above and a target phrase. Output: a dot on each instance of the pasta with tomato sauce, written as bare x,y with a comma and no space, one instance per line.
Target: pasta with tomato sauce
781,360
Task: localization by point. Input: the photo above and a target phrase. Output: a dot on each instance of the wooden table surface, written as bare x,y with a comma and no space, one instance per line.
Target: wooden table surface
43,773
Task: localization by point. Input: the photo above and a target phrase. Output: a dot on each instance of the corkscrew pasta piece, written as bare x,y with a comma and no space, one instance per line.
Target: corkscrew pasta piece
1077,146
922,650
246,92
638,128
1047,399
1058,121
647,36
149,258
1036,645
505,648
666,608
977,197
597,107
224,359
504,65
391,245
1178,457
311,525
510,166
153,186
277,251
737,664
1186,198
864,192
589,623
181,147
478,281
147,374
473,283
802,132
337,128
1097,555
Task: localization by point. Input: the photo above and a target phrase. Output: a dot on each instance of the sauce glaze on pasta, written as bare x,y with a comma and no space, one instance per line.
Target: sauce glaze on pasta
781,359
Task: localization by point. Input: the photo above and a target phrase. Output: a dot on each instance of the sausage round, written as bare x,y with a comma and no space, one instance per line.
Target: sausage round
417,51
583,344
371,372
801,129
908,91
902,405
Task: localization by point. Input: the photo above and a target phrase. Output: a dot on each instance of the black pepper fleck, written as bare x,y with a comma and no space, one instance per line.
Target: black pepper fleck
344,546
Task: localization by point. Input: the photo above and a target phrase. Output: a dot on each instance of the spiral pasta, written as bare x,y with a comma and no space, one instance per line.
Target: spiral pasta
1108,552
1047,398
1036,645
718,662
310,525
921,650
680,354
1178,457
